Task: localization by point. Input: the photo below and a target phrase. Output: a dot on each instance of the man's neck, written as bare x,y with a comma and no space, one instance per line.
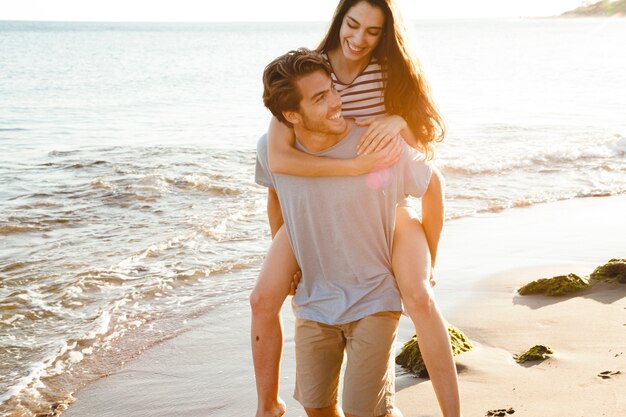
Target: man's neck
317,142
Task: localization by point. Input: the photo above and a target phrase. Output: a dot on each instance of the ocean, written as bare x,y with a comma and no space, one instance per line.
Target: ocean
127,199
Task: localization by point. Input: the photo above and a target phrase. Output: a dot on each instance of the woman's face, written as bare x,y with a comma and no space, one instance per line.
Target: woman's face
361,31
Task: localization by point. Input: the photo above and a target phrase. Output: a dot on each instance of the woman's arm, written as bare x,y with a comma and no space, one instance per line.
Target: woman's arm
284,158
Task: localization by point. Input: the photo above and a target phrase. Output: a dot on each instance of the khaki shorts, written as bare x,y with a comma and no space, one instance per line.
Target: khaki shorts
369,380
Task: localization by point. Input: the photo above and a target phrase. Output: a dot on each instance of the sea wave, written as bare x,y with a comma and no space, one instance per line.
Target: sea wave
472,167
15,226
82,165
607,155
619,147
13,129
206,184
7,230
154,187
63,153
495,205
12,266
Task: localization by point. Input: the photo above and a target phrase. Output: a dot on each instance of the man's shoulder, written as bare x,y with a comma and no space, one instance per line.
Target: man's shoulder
356,131
262,174
261,147
262,142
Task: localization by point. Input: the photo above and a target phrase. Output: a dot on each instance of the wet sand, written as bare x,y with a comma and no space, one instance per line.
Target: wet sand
483,260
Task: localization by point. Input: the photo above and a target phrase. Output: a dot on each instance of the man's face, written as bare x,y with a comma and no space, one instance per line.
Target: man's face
320,107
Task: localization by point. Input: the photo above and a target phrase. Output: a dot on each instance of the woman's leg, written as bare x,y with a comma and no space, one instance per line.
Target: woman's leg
266,300
412,268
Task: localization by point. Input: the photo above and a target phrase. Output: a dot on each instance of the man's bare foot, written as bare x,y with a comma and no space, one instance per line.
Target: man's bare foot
275,410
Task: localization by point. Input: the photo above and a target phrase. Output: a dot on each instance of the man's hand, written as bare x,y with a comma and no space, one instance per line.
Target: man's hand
382,130
294,282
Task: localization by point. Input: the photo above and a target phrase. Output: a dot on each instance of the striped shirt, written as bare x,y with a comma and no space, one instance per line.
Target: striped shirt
365,96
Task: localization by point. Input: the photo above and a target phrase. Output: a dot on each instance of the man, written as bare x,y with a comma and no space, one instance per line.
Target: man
341,230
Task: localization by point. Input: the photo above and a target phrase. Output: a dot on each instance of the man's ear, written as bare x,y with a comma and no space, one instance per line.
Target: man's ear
293,117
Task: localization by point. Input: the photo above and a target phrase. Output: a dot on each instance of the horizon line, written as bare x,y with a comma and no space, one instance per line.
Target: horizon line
283,21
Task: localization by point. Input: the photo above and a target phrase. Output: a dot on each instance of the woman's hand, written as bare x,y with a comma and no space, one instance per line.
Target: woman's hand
382,129
387,156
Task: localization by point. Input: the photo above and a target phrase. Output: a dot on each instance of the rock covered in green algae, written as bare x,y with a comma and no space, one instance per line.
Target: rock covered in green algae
460,342
410,358
613,271
561,285
536,353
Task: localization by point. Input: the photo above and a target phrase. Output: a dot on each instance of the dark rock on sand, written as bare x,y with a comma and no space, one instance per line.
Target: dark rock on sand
561,285
613,271
536,353
410,358
502,412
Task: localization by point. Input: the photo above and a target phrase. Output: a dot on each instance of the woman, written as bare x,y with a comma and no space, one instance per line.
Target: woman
381,86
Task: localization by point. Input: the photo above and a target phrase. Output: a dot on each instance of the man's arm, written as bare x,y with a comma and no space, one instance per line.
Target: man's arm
274,214
433,212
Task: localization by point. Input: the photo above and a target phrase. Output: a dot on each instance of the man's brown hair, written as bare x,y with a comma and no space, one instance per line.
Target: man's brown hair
280,91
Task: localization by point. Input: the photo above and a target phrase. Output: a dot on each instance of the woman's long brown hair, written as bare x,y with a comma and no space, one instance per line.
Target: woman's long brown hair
407,92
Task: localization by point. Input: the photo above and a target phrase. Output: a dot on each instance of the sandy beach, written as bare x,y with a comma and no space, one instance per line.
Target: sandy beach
483,260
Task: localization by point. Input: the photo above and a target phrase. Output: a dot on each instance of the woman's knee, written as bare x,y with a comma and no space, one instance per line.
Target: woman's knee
264,303
419,301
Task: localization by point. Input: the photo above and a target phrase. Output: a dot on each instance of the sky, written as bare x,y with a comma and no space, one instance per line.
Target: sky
262,10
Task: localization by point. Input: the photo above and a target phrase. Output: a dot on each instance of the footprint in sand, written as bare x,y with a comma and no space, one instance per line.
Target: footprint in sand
608,374
502,412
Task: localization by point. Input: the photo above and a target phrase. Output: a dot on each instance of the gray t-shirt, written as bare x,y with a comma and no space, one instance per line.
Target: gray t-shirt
341,231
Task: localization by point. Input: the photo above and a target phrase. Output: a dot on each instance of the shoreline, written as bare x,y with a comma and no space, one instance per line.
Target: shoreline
208,369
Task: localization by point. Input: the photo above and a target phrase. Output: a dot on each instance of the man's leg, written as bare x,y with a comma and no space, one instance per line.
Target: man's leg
319,355
411,266
266,300
369,383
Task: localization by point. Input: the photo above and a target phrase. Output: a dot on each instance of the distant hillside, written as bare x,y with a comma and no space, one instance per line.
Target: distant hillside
606,8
